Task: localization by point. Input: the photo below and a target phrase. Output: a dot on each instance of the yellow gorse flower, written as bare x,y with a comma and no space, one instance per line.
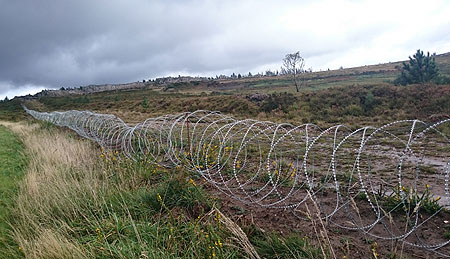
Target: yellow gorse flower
374,250
97,230
159,197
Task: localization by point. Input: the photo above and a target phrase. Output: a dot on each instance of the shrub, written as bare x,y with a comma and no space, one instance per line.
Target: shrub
144,103
354,110
442,80
280,101
367,102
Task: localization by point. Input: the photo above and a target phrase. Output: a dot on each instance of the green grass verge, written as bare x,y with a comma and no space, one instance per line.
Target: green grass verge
12,164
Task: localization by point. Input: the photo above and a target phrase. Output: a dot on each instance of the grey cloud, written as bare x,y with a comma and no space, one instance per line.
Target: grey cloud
80,42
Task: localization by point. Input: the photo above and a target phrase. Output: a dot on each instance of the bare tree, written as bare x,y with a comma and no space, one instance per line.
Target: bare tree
293,64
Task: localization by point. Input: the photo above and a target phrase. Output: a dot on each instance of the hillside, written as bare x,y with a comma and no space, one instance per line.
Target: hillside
370,74
351,95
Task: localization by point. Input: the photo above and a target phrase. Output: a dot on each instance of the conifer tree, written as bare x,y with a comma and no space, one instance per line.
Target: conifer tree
420,69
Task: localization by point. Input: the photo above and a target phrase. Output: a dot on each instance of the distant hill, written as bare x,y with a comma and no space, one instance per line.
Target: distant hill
370,74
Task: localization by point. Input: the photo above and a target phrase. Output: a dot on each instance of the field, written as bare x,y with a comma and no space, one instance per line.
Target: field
79,200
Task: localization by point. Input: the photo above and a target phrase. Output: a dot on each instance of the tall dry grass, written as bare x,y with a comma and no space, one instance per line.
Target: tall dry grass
60,175
72,204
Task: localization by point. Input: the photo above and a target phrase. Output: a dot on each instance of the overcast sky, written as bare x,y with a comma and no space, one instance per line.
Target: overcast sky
54,43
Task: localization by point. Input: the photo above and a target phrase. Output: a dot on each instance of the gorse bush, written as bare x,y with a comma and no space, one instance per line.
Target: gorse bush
280,101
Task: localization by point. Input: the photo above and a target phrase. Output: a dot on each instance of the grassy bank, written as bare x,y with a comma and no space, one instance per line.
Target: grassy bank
12,166
77,201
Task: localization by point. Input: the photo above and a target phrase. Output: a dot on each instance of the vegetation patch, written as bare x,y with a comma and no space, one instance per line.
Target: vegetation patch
12,166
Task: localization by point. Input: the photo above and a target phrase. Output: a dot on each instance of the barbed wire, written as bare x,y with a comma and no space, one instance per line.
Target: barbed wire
390,182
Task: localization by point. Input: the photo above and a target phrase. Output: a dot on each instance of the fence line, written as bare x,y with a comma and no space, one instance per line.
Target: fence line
360,179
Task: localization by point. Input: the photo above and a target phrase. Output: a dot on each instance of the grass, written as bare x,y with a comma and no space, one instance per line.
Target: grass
12,166
410,200
273,245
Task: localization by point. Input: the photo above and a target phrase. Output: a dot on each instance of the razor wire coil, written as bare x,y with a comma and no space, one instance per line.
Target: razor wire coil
284,166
